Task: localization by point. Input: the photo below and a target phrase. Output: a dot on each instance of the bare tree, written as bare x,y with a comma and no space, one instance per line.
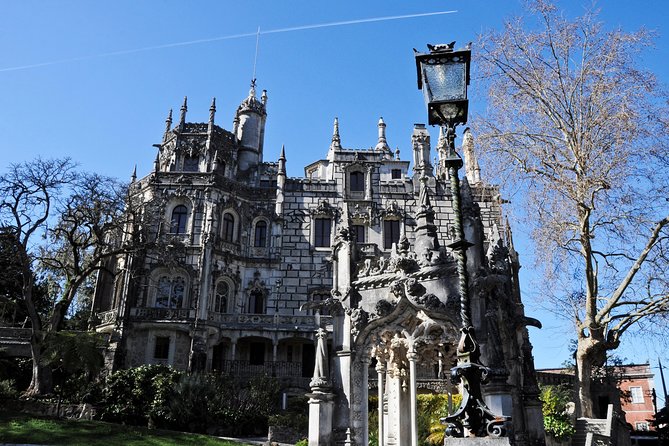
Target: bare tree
574,124
65,222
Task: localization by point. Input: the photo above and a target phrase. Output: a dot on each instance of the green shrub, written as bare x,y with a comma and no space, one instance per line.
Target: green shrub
303,442
132,396
166,398
557,423
8,389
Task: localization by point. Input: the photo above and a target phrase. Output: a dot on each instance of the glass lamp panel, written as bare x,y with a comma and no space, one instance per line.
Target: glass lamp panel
445,82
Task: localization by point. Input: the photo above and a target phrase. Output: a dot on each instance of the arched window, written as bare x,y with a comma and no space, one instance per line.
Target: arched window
171,292
228,227
357,182
256,302
179,219
221,297
260,239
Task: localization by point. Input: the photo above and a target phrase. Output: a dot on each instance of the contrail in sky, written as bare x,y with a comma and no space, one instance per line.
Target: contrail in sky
230,37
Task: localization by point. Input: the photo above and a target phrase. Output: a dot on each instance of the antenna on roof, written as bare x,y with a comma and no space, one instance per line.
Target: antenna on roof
255,59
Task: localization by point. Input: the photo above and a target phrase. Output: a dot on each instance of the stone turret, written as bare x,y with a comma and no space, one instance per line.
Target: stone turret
382,145
420,141
249,128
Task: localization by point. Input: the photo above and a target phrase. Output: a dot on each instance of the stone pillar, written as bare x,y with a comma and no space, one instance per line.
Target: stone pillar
381,371
412,356
398,426
320,418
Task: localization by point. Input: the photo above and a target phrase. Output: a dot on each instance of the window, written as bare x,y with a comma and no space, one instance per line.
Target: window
161,351
322,228
357,182
391,233
179,219
228,227
260,239
637,395
191,163
642,426
171,292
256,302
396,174
221,297
358,233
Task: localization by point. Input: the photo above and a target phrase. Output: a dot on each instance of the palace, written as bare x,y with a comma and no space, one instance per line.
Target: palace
246,265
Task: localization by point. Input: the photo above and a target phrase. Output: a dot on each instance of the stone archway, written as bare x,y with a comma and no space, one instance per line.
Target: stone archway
399,342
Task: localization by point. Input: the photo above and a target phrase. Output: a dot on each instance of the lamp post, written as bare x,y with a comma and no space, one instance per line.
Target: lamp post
443,75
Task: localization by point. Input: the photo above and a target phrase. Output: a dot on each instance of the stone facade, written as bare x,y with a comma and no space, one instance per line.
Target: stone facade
249,264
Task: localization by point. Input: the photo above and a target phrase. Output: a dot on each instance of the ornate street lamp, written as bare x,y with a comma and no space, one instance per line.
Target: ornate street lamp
443,75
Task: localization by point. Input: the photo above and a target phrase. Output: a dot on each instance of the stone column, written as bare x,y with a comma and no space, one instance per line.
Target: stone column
412,356
381,371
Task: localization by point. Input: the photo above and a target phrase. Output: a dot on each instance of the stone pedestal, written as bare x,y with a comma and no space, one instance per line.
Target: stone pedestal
320,418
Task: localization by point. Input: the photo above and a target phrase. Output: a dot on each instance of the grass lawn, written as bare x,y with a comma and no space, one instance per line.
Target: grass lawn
22,428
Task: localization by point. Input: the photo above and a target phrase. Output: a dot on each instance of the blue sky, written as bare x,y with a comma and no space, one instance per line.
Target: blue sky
106,111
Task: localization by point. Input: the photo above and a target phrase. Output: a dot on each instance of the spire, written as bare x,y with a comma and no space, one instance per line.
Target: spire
336,141
382,145
282,161
156,162
168,125
212,110
133,176
184,109
472,169
168,122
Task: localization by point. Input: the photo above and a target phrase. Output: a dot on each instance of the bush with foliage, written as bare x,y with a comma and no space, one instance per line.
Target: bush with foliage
163,397
132,396
557,422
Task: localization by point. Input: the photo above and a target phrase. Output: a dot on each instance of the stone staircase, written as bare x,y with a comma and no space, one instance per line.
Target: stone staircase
593,431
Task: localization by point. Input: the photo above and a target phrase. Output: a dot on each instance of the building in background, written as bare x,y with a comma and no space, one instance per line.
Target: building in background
630,388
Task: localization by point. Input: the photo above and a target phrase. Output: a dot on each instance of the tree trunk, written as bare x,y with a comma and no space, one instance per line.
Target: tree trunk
41,382
590,353
583,379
